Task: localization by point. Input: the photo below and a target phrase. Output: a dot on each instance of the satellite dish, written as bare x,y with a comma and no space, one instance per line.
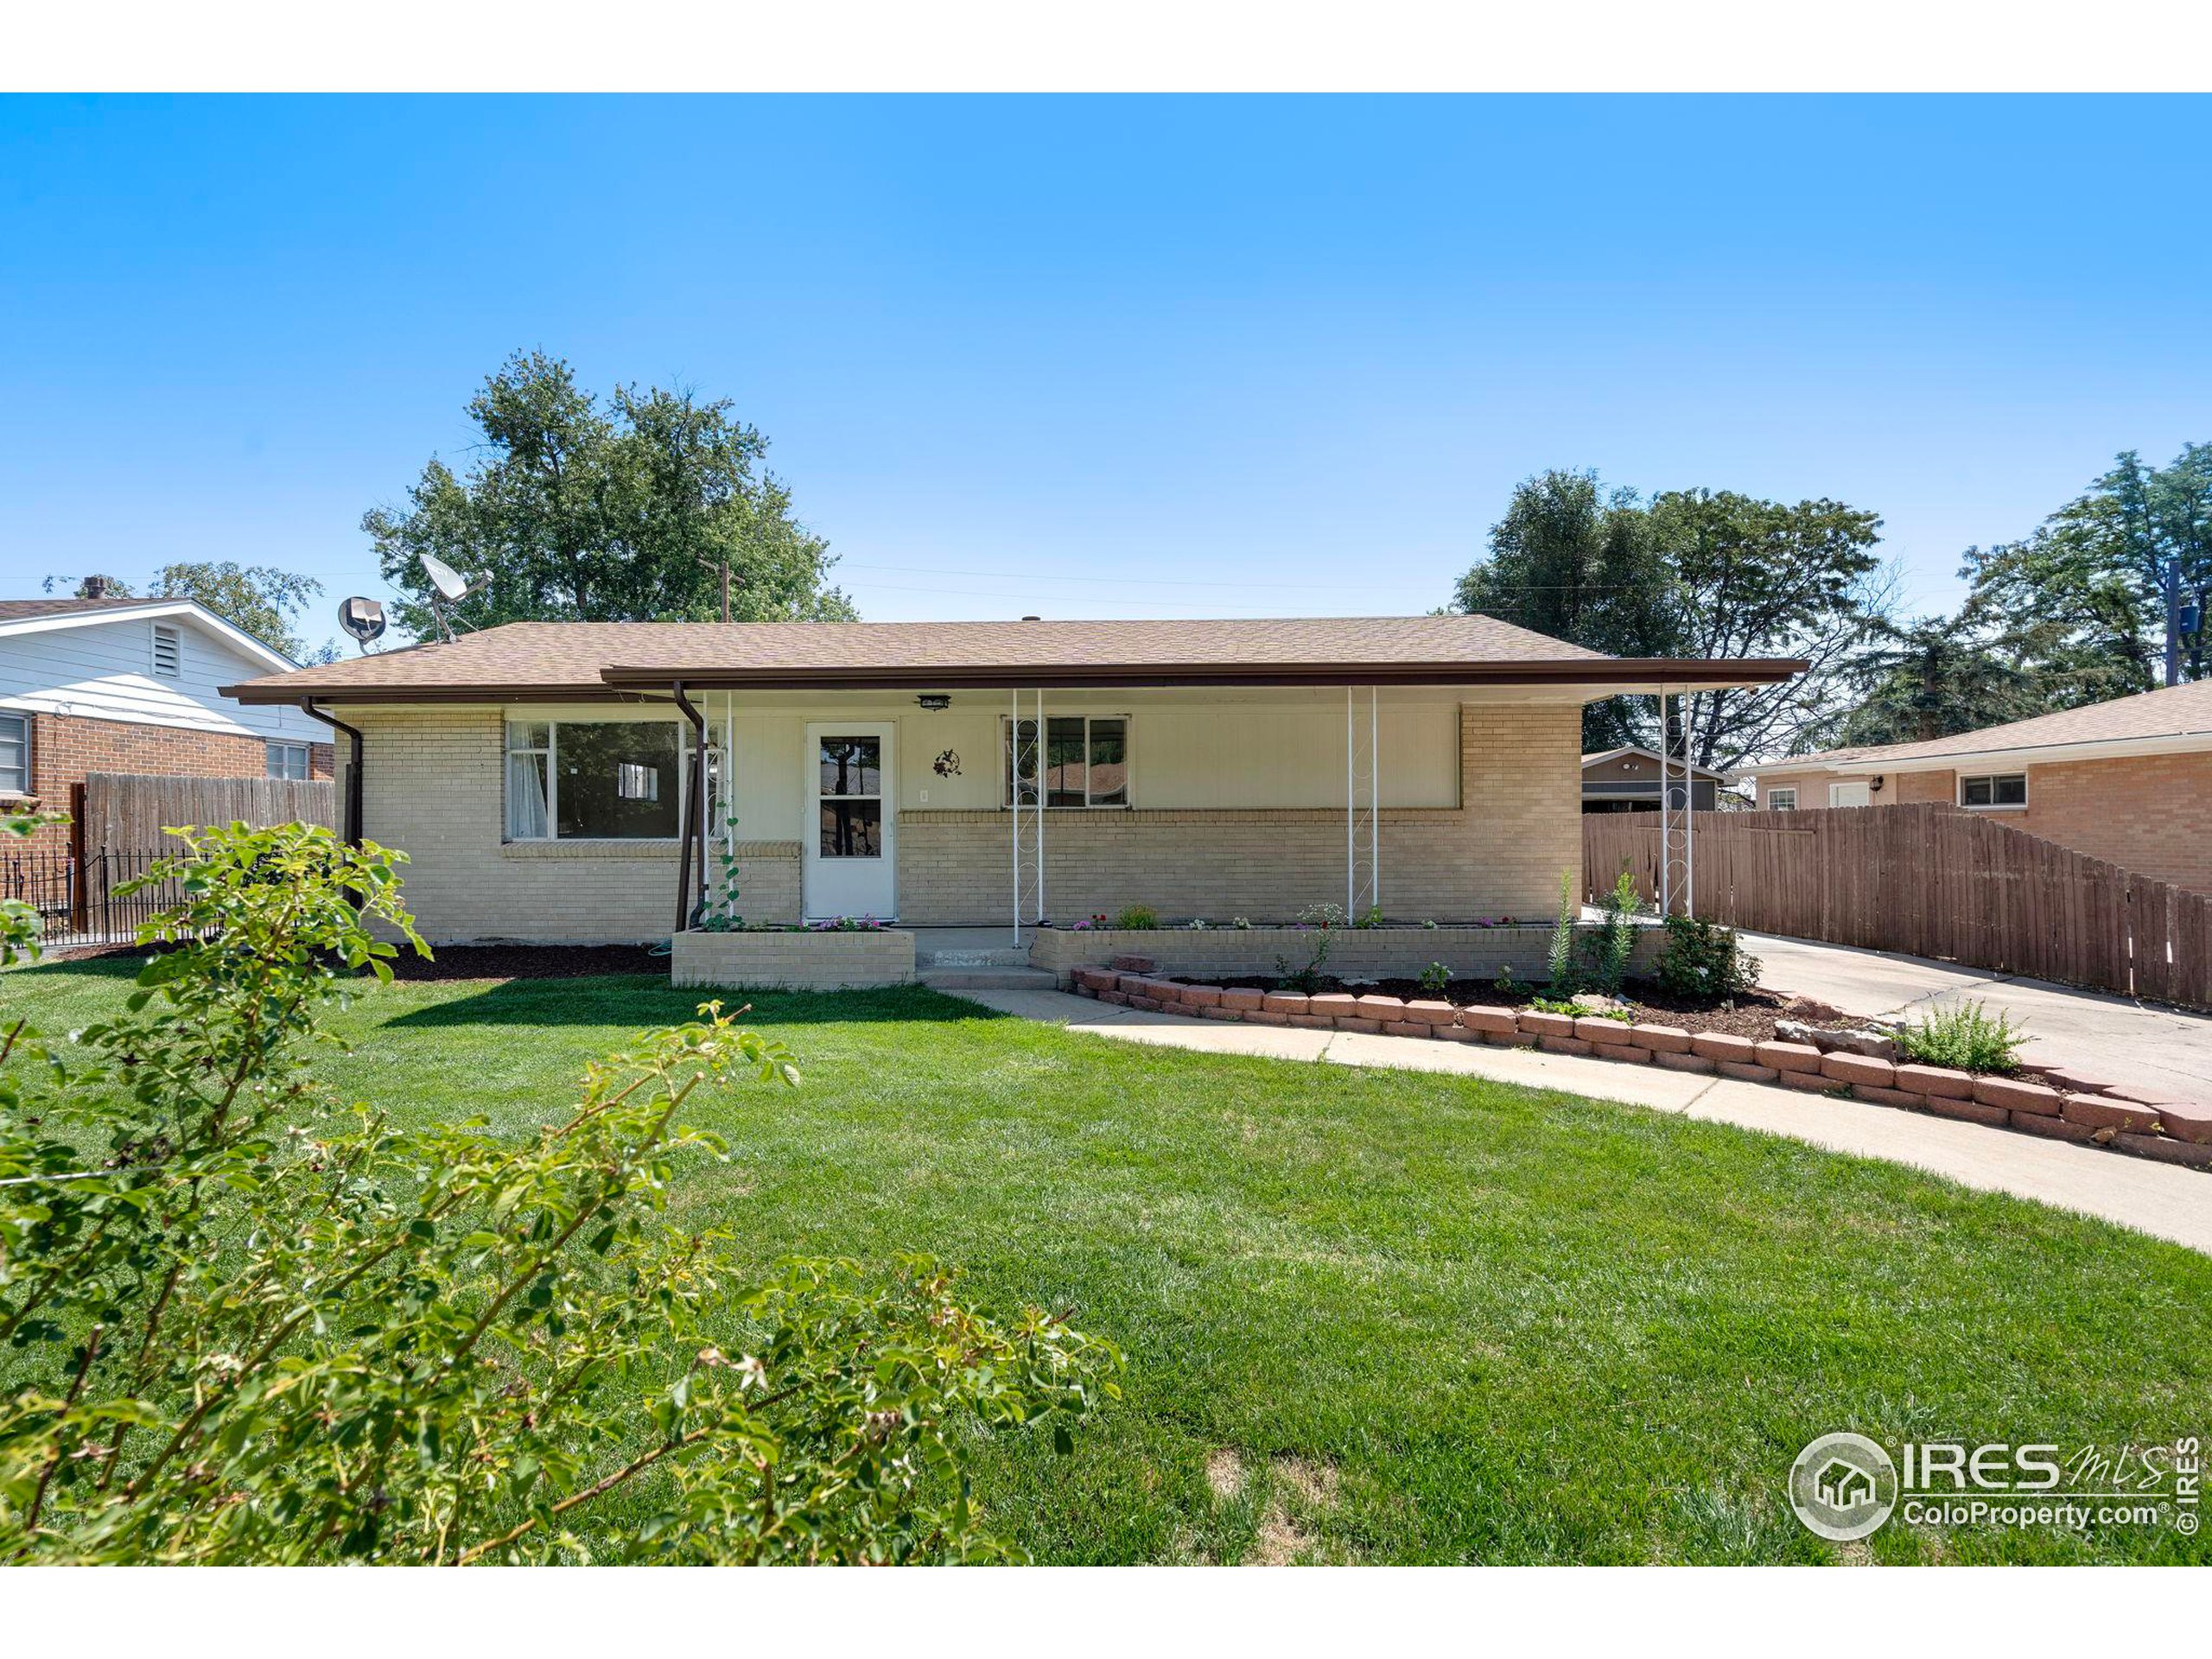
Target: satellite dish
363,618
447,586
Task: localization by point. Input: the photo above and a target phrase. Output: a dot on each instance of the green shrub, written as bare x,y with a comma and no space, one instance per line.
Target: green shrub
1964,1038
19,922
1372,917
1576,1011
1137,917
1560,964
1434,978
1507,985
264,1328
1704,960
1616,941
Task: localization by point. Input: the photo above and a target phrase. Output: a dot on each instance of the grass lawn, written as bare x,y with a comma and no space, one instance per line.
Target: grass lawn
1374,1316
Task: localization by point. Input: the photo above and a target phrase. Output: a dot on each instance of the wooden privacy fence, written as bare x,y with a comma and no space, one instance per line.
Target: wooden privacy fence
1929,880
131,810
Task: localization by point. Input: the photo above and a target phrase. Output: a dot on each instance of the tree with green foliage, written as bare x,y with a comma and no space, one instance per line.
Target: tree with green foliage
1693,573
1933,678
2083,598
259,598
1575,560
614,511
1754,578
248,1324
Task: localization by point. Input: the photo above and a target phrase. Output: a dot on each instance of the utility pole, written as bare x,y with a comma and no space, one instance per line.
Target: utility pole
721,567
2171,586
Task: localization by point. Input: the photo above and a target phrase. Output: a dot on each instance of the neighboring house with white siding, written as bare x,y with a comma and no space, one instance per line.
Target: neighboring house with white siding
132,685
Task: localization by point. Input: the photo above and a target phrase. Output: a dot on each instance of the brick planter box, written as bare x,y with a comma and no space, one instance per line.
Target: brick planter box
2176,1134
1228,955
826,961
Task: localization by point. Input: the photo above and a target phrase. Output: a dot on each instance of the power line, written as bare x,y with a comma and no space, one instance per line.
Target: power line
1109,582
1180,582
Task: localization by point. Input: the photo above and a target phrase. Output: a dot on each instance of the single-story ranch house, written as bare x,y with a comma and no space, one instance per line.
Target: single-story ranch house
541,775
2128,781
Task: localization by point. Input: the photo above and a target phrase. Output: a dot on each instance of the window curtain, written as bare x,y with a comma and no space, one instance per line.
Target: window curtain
527,818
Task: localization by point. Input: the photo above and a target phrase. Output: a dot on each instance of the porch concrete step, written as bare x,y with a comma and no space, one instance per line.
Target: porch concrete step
957,980
1006,957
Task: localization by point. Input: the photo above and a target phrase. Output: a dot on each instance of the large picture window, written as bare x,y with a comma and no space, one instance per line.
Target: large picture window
1086,760
593,780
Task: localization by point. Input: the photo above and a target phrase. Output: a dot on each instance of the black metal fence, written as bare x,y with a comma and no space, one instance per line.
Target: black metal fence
77,899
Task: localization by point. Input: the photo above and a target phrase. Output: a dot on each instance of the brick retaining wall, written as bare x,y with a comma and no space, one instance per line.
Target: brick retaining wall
840,961
2170,1132
1471,953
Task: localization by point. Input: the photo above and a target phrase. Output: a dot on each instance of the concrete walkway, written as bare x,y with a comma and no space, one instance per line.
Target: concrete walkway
2114,1039
2155,1199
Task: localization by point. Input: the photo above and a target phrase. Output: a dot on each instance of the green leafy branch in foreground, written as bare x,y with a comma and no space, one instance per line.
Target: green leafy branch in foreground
258,1327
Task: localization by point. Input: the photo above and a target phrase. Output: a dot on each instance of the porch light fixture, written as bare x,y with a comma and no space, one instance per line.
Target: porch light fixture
1874,785
934,701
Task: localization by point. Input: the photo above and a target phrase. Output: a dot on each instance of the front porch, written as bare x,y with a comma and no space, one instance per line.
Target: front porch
963,959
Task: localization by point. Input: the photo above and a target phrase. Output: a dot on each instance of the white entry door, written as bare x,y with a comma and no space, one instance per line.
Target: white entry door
1850,795
852,775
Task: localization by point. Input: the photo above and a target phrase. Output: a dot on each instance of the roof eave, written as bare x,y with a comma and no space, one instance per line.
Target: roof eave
147,610
1624,673
1617,675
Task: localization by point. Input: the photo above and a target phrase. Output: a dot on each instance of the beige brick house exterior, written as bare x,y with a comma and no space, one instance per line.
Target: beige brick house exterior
1229,797
2129,781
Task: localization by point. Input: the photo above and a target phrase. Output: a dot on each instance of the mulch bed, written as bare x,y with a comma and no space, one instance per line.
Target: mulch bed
1752,1015
529,962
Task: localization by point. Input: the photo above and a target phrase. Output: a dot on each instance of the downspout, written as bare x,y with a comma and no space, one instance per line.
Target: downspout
351,818
696,819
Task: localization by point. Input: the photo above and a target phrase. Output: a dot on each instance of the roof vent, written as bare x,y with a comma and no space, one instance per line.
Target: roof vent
1033,619
92,587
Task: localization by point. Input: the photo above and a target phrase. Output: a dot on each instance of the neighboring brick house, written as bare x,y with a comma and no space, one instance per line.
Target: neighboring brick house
2128,781
132,685
539,774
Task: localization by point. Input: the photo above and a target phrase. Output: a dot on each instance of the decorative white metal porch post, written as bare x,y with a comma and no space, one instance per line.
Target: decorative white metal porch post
1026,766
1677,805
1043,755
1363,824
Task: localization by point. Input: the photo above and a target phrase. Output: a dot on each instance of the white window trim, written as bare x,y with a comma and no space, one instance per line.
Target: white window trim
685,757
175,670
1850,783
8,791
305,752
2020,806
1771,804
1128,802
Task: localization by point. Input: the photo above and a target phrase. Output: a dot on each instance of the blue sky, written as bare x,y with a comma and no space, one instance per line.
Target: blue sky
1084,357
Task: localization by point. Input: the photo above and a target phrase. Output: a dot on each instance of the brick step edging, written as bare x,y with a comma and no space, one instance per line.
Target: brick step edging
2170,1134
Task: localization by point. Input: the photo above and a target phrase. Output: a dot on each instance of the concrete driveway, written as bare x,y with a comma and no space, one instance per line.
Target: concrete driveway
2113,1038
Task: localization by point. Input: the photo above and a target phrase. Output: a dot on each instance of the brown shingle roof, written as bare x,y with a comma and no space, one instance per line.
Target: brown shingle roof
553,658
2178,711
